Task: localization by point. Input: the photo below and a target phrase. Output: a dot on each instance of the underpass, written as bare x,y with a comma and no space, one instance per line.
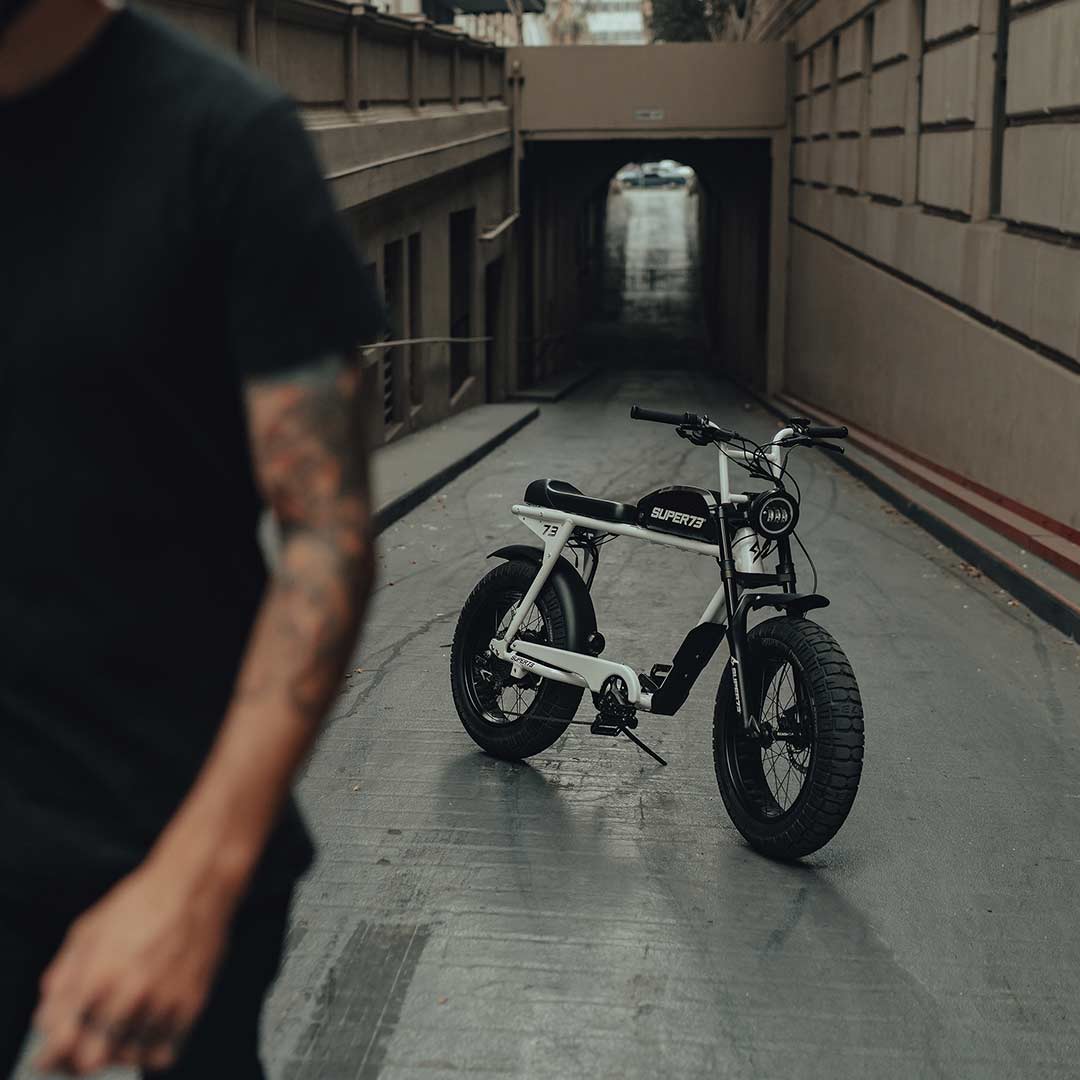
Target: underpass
647,310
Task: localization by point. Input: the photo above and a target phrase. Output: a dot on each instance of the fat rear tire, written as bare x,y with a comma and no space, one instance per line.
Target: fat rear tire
554,704
829,720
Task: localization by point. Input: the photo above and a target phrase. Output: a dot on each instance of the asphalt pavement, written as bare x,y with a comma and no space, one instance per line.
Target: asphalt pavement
593,914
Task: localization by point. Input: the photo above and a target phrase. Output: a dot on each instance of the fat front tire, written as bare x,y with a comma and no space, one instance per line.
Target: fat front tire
789,788
509,718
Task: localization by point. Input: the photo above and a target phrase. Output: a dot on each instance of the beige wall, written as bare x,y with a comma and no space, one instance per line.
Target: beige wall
920,308
866,345
670,90
425,210
411,124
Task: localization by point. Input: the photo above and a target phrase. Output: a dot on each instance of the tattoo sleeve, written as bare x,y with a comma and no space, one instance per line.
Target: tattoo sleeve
311,464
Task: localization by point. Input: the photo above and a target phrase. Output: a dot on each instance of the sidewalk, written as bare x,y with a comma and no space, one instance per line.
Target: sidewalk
408,471
557,386
1030,563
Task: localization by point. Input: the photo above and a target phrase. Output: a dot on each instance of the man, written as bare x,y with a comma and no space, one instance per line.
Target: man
176,300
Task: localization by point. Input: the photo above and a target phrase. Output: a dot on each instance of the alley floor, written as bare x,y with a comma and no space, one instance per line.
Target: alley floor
590,913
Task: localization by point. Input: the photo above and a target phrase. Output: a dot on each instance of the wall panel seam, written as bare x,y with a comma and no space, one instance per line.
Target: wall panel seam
1062,359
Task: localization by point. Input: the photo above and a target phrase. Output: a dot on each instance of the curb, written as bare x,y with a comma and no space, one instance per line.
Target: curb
397,508
537,393
1049,605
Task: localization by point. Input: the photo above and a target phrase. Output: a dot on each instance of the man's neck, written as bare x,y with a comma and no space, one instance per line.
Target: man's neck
46,38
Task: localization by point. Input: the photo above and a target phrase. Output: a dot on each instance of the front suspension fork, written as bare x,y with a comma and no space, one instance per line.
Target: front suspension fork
742,677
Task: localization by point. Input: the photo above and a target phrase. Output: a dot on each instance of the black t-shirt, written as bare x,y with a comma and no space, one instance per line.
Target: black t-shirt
164,234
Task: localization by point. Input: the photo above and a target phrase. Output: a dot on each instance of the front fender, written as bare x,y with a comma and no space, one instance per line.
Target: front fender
570,590
794,603
789,603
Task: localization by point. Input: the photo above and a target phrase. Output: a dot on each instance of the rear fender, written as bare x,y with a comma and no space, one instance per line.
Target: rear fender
572,594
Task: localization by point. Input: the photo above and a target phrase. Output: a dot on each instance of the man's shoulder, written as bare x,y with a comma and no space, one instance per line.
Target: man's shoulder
209,85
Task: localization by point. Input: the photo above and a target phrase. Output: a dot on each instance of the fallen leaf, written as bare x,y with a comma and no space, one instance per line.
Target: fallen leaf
442,1000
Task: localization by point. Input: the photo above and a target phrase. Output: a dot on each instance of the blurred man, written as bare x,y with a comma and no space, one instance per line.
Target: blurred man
176,300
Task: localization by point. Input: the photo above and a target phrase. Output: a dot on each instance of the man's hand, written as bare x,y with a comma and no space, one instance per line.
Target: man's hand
132,975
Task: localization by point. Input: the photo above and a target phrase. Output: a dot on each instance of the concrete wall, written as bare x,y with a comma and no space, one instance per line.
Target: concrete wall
412,123
671,90
935,270
420,375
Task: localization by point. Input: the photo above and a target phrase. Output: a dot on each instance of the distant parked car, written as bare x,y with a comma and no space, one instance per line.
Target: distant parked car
662,174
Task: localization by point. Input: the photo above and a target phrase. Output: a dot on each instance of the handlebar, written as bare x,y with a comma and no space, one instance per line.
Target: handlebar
658,416
815,431
701,428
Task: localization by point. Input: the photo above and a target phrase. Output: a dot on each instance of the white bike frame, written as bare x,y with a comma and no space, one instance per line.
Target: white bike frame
555,527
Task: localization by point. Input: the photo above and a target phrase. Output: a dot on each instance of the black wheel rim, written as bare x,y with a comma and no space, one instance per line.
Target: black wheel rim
771,769
500,698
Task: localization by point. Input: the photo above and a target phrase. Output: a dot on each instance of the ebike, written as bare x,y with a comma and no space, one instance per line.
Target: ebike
788,720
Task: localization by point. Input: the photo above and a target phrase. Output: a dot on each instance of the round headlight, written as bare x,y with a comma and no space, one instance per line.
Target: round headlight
773,514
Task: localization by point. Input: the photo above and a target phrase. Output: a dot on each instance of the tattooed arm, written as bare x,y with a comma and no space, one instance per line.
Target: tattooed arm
311,464
134,971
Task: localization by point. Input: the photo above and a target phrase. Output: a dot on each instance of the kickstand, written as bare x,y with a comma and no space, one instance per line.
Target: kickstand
648,750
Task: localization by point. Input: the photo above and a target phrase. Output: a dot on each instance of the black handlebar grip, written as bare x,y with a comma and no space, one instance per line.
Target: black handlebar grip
817,432
660,417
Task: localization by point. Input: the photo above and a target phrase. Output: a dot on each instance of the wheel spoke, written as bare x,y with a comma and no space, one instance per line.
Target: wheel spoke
784,767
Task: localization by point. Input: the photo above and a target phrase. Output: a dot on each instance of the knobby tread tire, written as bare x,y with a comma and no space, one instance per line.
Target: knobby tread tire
832,782
550,713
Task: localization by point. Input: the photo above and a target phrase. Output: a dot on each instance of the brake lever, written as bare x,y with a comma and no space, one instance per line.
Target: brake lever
698,438
831,447
804,440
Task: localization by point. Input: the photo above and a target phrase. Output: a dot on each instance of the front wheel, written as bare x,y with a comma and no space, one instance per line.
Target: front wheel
789,786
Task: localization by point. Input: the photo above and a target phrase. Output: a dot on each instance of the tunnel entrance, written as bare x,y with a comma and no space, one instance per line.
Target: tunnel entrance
647,310
649,254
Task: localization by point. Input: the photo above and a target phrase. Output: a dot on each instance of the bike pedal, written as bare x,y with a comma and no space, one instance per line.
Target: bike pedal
659,674
604,727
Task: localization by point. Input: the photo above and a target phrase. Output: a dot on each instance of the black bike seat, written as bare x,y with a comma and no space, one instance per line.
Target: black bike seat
560,495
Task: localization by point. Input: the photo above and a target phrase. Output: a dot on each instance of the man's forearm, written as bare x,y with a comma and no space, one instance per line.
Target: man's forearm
312,467
302,640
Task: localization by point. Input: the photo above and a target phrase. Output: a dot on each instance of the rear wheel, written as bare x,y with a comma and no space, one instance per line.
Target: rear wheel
789,786
509,716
